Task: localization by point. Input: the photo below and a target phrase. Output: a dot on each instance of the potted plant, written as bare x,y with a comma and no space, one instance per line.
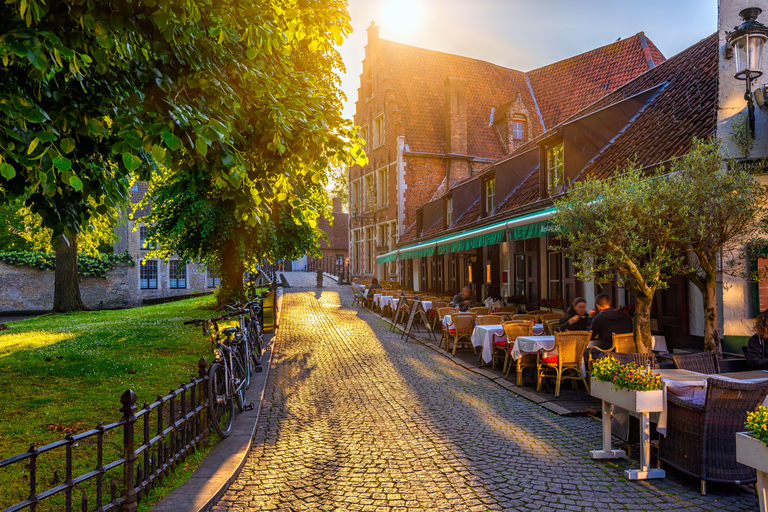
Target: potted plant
554,305
638,391
752,450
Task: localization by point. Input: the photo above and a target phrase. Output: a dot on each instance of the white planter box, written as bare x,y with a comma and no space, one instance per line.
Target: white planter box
634,401
754,453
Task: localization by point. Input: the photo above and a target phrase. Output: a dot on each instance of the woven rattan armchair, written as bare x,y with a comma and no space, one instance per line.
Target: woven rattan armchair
550,327
529,318
512,330
359,298
435,312
702,362
622,344
512,310
480,310
442,313
701,439
490,320
462,324
567,364
538,312
546,317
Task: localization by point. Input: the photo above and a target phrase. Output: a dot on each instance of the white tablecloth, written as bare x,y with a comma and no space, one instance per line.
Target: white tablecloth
532,344
376,298
482,336
385,300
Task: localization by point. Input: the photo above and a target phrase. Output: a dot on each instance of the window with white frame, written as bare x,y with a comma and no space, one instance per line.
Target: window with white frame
490,194
143,243
448,211
518,129
148,275
177,274
212,280
378,131
357,249
369,250
364,134
555,167
368,193
354,197
382,188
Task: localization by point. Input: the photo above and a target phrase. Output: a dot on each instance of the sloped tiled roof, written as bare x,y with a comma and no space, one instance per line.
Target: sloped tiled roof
569,85
685,108
418,76
472,214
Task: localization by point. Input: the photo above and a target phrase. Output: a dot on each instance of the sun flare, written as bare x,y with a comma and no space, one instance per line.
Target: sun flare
402,15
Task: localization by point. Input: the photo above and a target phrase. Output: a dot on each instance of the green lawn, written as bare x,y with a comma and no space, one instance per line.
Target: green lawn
66,372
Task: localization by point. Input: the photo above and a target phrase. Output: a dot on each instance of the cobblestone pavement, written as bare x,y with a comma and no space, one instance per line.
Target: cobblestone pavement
355,419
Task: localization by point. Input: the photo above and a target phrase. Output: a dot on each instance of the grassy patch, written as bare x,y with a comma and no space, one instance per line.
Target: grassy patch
65,373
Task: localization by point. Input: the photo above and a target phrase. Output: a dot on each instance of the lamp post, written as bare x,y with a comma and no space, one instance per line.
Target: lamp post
748,40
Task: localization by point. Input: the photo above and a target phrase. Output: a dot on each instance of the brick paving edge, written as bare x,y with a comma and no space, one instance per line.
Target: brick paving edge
226,473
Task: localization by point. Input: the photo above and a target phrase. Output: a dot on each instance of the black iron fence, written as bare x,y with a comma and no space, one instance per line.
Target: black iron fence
156,437
337,267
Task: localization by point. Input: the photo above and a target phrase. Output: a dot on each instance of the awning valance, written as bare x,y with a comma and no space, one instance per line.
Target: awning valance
489,235
534,230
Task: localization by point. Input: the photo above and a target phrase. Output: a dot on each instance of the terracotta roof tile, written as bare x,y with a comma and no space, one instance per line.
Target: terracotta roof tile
471,214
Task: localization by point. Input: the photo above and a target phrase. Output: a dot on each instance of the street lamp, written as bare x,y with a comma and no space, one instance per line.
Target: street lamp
748,39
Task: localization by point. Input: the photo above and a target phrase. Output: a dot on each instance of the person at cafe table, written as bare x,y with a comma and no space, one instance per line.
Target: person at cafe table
606,321
464,299
757,346
494,300
374,286
357,286
575,317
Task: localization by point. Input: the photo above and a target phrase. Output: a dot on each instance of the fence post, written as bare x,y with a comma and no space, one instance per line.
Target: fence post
202,372
129,453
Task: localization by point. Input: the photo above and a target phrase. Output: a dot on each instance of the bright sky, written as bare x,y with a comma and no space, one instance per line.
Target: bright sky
522,34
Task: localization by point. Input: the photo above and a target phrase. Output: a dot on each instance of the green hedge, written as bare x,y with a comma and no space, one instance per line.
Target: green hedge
87,265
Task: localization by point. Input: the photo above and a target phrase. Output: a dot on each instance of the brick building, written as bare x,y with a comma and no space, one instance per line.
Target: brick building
432,120
337,247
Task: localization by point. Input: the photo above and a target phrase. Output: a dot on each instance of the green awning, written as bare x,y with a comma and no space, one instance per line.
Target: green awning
482,240
387,258
535,230
418,252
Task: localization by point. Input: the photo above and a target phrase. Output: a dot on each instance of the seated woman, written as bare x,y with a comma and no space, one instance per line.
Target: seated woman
374,286
494,300
757,346
575,317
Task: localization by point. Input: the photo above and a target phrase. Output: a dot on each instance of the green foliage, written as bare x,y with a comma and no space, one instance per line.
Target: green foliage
742,136
757,424
625,376
88,265
339,185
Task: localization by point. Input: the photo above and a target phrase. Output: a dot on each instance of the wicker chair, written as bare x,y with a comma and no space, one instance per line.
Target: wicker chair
538,312
359,297
463,323
550,327
570,348
512,310
435,312
480,310
502,348
490,320
641,360
701,439
702,362
529,318
622,344
549,316
442,313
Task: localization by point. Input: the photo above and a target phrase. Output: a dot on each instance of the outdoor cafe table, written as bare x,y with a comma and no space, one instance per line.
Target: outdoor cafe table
426,303
482,336
383,300
531,344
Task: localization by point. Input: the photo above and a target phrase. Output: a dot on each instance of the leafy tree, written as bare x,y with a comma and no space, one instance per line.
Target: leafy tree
339,185
622,229
717,213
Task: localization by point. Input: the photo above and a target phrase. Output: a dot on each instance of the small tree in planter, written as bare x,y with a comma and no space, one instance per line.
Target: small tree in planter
635,390
752,450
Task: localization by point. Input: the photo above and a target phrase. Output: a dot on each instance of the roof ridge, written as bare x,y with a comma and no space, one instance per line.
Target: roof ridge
593,50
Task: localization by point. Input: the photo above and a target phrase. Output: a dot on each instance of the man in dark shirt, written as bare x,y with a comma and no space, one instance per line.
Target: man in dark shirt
464,298
606,321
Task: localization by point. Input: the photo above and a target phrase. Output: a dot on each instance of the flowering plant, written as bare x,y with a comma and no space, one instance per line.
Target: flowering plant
757,424
516,299
625,376
552,303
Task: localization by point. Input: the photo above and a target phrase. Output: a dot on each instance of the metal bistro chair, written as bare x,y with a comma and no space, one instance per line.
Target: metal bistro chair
701,439
462,323
502,348
490,320
567,363
703,362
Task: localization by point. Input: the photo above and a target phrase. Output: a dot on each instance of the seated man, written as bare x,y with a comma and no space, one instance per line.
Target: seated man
464,298
357,286
757,346
606,321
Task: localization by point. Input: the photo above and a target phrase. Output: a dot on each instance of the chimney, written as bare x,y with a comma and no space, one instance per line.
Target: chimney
337,208
373,32
456,127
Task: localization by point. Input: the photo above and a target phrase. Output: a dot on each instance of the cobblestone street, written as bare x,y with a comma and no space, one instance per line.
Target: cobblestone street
355,419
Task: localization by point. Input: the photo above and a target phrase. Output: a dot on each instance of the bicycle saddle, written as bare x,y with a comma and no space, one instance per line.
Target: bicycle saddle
230,330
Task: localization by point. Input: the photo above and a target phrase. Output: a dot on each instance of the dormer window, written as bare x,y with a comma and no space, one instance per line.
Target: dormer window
448,212
419,222
489,193
518,129
555,168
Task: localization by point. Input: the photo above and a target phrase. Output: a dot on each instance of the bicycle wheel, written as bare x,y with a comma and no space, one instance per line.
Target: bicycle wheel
254,333
239,383
221,408
244,356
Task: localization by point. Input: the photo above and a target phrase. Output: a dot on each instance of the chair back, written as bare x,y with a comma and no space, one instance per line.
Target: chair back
490,320
641,360
703,362
442,312
480,311
538,312
437,304
512,310
463,322
529,318
515,329
546,317
624,343
571,346
550,327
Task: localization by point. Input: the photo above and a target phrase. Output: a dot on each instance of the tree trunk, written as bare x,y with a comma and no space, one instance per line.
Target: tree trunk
232,269
66,290
709,293
642,324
